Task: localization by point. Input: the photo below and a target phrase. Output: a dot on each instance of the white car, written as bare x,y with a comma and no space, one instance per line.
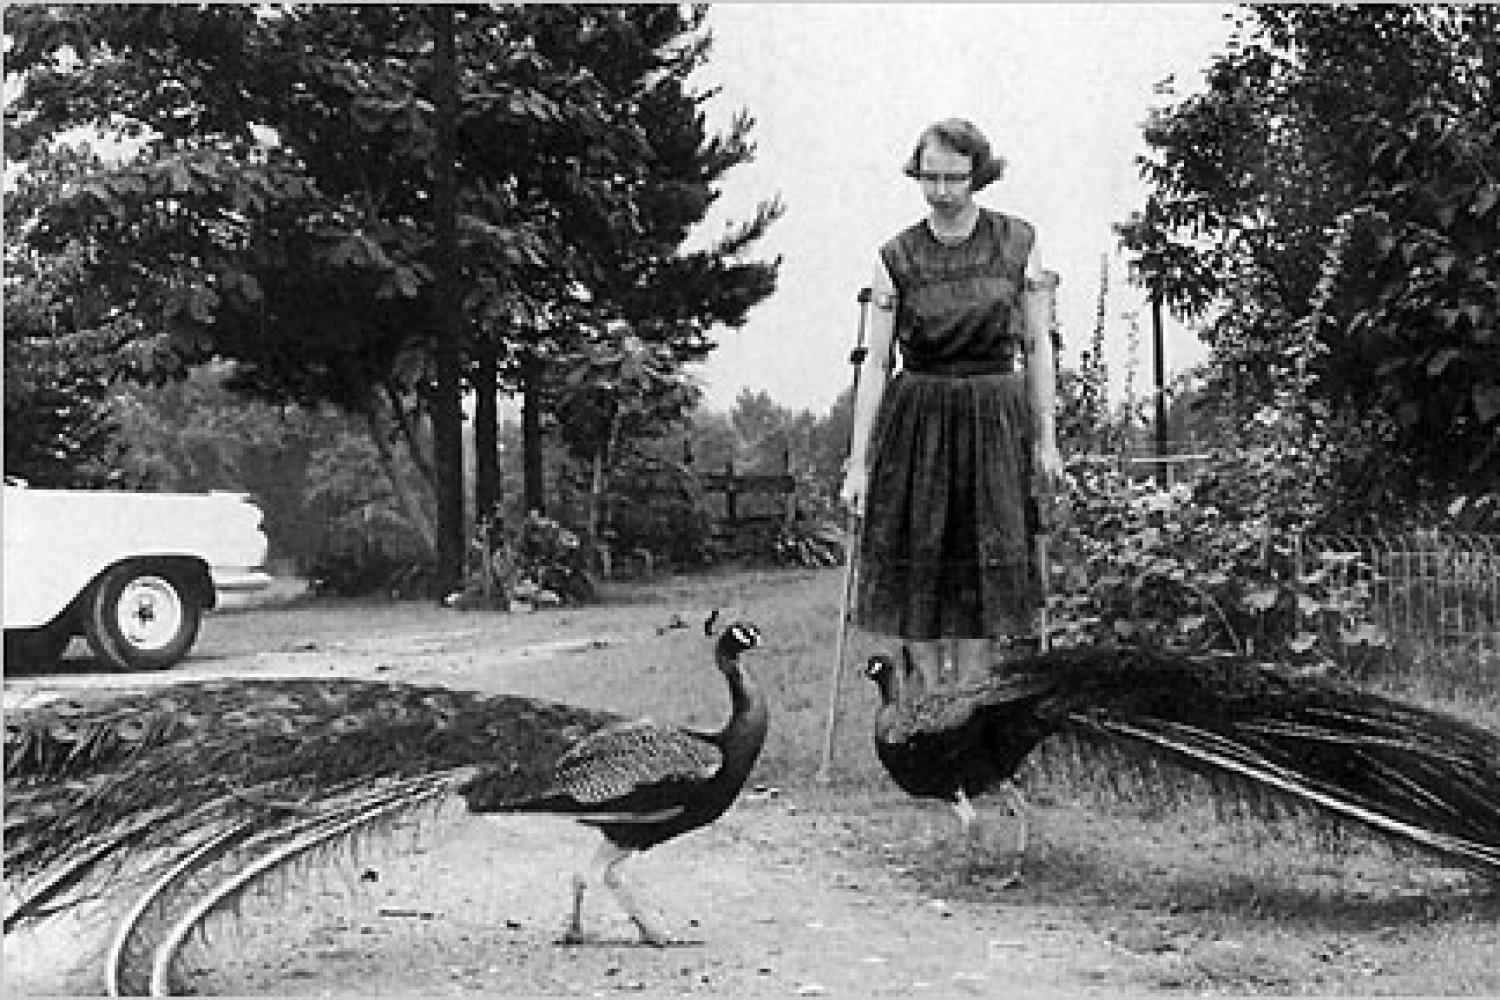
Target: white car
132,572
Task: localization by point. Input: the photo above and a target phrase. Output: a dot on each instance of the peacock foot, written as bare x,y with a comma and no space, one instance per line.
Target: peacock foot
654,935
573,936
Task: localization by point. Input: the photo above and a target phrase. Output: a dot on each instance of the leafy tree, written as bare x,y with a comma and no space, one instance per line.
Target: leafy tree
1333,194
642,284
628,391
826,446
764,428
57,430
275,205
272,209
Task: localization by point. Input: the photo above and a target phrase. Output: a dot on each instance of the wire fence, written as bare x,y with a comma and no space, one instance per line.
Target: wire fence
1438,588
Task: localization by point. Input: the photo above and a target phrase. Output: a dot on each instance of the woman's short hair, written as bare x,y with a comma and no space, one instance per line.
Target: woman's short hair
961,136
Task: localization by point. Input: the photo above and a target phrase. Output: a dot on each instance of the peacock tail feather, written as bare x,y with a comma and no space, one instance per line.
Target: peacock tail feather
1256,733
100,786
155,810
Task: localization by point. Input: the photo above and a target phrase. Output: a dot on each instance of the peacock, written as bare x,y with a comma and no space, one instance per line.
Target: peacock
1407,772
180,798
935,745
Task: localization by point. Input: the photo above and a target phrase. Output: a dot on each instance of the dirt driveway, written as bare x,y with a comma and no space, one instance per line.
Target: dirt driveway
774,899
769,903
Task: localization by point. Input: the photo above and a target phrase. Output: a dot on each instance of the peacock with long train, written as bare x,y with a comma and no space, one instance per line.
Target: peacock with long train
1407,772
182,797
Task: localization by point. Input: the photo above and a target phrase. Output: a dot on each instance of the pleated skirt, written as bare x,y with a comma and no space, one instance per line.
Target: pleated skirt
946,550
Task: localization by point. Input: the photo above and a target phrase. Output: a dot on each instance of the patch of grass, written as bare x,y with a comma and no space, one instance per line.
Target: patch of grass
796,611
1464,680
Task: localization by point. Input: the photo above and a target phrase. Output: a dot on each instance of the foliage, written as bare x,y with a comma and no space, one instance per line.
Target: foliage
808,544
60,350
1085,424
658,507
363,570
274,198
275,203
1139,564
642,293
759,435
59,432
330,508
1333,194
539,561
624,388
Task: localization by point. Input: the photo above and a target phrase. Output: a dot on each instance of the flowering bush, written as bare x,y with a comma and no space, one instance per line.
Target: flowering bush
539,558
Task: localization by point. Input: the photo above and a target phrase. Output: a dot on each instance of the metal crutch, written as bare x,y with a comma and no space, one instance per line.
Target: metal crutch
853,531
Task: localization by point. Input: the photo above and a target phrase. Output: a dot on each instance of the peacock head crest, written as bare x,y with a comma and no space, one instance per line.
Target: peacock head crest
882,670
737,638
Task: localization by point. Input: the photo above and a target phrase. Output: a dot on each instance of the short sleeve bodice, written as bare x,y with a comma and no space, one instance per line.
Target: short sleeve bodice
959,306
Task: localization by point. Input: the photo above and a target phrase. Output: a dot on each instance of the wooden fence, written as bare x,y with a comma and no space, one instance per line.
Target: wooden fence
750,504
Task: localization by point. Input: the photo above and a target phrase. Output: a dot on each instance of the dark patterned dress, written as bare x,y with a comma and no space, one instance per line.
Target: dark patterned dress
946,549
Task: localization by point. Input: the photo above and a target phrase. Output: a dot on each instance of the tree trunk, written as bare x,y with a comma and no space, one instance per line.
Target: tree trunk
414,443
415,512
447,417
534,488
603,463
486,434
596,501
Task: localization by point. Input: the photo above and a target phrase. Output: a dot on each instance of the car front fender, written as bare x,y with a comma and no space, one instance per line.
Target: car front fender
58,542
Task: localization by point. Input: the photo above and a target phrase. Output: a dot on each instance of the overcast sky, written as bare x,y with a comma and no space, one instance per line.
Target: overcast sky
840,92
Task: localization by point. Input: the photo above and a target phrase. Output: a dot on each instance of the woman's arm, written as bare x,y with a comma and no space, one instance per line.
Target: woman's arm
1041,368
873,375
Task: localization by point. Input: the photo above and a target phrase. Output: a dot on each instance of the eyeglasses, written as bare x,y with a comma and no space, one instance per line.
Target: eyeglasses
930,177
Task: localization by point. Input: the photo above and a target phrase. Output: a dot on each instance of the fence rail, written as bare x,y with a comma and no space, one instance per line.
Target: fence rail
1443,588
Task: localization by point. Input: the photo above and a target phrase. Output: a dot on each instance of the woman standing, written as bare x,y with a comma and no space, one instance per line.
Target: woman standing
946,456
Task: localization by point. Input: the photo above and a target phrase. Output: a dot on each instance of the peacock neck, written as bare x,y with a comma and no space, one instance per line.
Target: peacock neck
743,734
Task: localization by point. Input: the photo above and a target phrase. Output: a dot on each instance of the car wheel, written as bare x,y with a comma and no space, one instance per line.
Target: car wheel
140,618
35,648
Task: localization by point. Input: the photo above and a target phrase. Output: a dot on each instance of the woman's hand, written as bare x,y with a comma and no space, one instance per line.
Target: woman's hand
1048,468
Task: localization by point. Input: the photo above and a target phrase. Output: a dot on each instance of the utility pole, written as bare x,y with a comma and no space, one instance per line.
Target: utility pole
1161,383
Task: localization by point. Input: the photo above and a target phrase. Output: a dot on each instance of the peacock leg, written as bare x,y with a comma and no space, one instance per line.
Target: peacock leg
605,858
974,659
651,931
926,659
1017,804
969,828
574,933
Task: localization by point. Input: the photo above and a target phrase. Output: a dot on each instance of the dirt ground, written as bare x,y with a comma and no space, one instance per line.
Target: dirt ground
767,902
795,892
771,901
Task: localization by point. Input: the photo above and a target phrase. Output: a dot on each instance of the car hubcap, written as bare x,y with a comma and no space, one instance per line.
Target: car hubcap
150,613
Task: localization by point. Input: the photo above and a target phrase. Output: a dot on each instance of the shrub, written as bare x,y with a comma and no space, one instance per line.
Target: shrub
359,570
1136,563
539,561
658,506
